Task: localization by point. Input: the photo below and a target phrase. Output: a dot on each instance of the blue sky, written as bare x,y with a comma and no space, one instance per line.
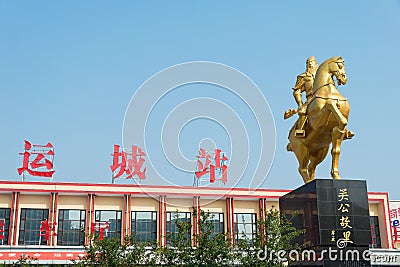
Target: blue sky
68,70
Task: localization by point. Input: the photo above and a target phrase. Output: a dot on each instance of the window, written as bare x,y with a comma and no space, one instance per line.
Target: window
29,227
375,233
144,226
217,219
245,226
71,227
113,218
172,228
4,225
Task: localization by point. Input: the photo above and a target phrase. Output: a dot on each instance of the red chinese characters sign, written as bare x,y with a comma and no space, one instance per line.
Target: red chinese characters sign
47,229
38,160
210,164
395,219
2,228
41,255
128,164
101,227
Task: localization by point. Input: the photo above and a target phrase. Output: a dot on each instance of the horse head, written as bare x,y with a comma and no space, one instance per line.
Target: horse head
333,67
336,67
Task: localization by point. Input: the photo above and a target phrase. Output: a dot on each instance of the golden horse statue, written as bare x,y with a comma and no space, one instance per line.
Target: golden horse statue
327,115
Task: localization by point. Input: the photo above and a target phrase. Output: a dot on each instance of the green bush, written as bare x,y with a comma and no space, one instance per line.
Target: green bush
209,248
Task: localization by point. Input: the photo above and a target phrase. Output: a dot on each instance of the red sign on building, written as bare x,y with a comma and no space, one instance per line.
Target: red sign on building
47,229
128,164
100,227
38,160
395,221
2,229
212,164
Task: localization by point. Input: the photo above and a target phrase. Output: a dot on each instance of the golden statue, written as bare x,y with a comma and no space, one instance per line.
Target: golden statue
322,118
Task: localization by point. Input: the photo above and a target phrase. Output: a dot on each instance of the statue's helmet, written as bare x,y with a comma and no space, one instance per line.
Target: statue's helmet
309,59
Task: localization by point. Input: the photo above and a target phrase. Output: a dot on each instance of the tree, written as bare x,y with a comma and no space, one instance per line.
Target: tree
210,248
110,252
272,243
24,260
179,249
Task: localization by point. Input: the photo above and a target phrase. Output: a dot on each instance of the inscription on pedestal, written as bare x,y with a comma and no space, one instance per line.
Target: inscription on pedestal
334,214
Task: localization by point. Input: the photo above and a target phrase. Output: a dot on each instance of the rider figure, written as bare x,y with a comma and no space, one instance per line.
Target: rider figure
304,83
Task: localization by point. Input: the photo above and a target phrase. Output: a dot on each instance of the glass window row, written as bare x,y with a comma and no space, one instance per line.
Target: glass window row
35,229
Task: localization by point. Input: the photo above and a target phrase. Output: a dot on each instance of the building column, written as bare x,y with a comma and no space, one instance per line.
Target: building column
14,217
262,209
126,220
230,214
89,217
196,218
53,214
162,215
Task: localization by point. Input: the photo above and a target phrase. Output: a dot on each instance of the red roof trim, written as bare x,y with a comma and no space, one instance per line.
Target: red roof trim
143,186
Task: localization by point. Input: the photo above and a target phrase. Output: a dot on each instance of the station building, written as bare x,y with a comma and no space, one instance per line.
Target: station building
49,220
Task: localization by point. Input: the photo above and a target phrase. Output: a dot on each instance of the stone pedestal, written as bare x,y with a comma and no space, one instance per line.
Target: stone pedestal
335,215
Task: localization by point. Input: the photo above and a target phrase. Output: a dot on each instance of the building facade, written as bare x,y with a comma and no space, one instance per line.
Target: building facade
50,221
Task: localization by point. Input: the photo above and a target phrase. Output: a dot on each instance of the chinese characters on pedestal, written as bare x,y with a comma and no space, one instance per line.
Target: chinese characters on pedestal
343,200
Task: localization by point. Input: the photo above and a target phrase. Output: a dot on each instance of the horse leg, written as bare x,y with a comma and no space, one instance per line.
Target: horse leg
337,137
302,155
315,159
